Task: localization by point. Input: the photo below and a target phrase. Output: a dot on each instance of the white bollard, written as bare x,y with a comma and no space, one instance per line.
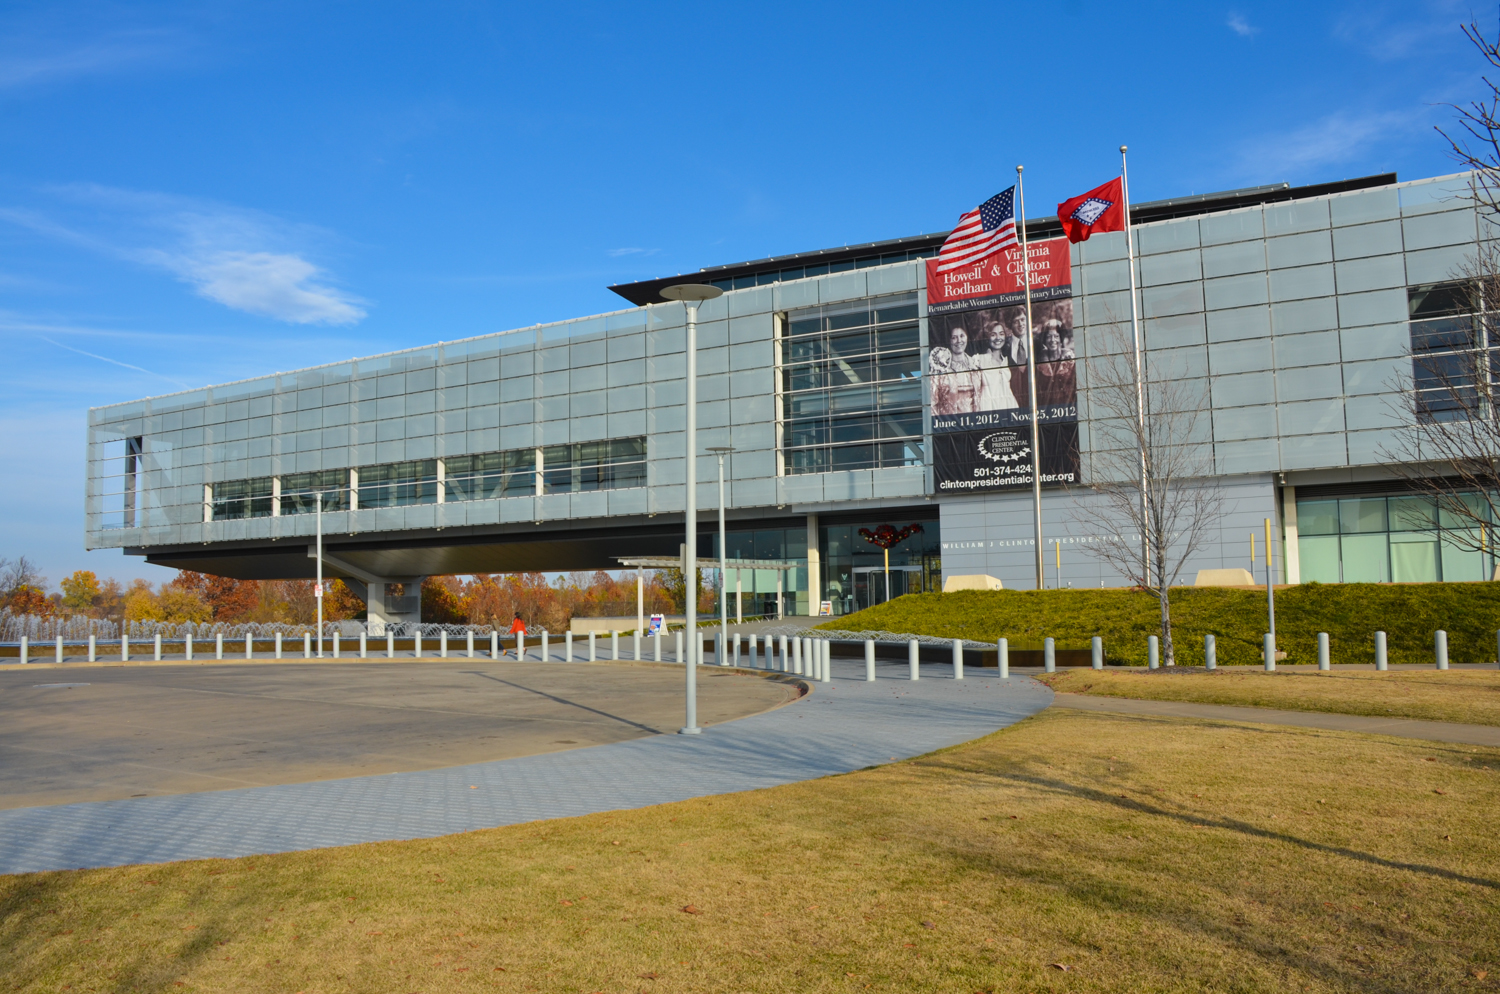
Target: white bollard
1210,652
124,646
278,645
442,643
390,644
958,659
520,646
736,652
797,656
495,644
783,661
678,646
1268,651
568,646
1323,662
720,658
869,660
157,651
914,658
827,660
416,644
249,647
59,649
1440,648
657,638
1153,652
545,650
1049,655
635,638
592,650
469,643
25,648
1002,654
94,648
364,645
335,644
306,646
1096,651
1380,663
187,648
754,657
614,647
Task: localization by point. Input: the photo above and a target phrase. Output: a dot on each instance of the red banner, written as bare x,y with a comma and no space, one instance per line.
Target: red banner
999,279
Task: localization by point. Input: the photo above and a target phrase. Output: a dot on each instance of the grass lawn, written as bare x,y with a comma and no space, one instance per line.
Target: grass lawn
1471,696
1350,613
1142,854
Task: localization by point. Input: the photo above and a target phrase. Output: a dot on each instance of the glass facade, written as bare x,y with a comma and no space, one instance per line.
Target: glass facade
854,568
822,269
758,587
1451,355
493,474
243,499
1405,539
586,466
299,491
851,381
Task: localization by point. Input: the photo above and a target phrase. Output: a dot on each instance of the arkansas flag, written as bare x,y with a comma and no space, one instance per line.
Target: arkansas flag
1101,209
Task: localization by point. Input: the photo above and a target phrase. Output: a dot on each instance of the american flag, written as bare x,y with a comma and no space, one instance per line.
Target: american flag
987,228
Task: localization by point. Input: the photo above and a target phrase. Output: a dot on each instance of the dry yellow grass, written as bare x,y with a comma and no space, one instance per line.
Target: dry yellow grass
1142,854
1470,696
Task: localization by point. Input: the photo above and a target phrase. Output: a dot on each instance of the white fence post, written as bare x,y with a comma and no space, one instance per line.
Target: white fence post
1380,663
914,658
869,660
719,649
797,656
187,648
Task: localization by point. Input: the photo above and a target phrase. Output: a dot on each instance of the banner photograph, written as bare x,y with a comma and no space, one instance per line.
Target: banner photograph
978,351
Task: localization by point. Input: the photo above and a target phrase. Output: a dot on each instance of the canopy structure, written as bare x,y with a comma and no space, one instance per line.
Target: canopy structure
674,562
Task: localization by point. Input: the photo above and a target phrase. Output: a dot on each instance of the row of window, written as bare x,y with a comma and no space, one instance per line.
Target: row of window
1453,362
576,468
823,269
851,386
1385,539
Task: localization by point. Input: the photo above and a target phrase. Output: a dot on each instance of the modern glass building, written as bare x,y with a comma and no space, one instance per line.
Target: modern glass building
1296,311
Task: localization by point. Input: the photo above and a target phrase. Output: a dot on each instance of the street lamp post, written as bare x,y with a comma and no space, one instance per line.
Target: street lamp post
318,589
691,294
720,450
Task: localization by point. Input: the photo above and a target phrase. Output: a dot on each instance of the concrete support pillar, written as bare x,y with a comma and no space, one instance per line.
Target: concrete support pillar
869,660
814,568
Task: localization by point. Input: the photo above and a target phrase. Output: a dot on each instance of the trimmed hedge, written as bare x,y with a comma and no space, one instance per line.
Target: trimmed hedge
1350,613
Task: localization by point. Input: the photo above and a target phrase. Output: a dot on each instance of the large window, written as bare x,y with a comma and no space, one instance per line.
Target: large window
851,386
493,474
398,484
1404,539
584,466
1450,348
300,491
242,499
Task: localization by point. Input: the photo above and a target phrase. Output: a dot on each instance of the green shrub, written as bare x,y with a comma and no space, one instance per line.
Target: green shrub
1350,613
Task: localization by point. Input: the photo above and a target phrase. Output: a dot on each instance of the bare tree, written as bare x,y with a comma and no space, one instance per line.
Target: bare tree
19,573
1448,439
1149,469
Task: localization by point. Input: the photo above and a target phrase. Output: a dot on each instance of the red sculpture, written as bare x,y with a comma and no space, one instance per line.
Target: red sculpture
886,536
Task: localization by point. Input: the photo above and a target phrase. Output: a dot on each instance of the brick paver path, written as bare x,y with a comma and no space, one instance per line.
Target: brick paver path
842,726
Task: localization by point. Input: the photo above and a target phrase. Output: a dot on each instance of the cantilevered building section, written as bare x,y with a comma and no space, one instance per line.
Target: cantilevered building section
560,446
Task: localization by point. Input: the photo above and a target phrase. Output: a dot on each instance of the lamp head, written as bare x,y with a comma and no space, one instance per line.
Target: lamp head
691,292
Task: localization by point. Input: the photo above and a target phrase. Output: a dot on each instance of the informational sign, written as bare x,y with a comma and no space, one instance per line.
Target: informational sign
657,626
825,609
979,348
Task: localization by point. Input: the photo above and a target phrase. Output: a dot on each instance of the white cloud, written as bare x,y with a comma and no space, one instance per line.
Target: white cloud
1241,27
247,260
32,61
618,252
1336,138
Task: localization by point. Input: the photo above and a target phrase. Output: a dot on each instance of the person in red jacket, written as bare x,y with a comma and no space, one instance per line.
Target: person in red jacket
518,627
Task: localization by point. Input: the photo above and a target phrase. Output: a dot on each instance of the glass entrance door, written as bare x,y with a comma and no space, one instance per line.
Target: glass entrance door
870,584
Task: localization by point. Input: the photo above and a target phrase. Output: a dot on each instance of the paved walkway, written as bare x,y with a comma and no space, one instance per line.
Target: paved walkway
1435,731
840,727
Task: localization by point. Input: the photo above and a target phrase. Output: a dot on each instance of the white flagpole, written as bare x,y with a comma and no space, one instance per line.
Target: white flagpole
1140,386
1036,435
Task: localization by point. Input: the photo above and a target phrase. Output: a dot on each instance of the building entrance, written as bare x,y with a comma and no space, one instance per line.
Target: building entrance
870,584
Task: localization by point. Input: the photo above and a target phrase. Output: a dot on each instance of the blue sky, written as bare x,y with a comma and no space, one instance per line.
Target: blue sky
196,193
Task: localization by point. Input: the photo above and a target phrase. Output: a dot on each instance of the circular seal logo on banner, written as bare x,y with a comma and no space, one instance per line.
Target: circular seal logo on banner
1004,447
